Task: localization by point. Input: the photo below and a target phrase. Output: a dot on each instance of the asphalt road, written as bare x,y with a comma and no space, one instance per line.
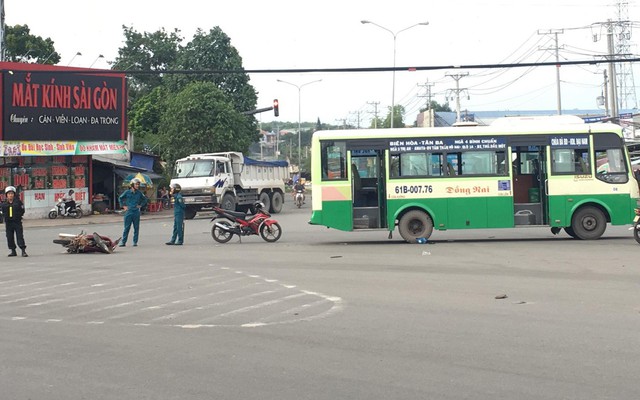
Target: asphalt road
321,314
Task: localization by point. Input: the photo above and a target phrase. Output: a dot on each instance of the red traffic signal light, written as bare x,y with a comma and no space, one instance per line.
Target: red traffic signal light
276,110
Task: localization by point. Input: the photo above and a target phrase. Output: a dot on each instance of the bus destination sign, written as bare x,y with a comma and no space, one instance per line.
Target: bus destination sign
447,144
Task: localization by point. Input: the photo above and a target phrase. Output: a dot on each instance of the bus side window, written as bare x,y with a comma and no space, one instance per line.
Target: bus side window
450,170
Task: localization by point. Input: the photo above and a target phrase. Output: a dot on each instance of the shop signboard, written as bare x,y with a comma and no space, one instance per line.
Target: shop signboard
62,104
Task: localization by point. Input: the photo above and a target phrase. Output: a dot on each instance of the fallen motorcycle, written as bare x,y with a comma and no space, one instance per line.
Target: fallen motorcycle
86,243
228,223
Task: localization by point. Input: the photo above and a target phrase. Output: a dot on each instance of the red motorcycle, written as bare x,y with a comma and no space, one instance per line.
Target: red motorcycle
228,223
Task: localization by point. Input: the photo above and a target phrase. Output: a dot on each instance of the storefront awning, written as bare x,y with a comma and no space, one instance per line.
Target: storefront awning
124,172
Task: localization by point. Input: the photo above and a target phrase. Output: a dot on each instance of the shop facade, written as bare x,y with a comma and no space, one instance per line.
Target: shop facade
54,120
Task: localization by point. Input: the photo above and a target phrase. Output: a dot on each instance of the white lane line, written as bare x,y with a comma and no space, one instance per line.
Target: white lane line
179,301
211,305
81,295
252,307
152,289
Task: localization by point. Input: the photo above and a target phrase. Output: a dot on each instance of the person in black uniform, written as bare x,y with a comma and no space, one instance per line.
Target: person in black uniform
12,211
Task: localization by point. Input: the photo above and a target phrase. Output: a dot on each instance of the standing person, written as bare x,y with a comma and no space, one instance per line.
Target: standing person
12,211
132,200
178,216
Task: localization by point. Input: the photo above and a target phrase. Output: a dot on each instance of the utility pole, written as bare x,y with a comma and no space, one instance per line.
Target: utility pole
375,112
457,91
622,34
613,95
605,94
555,32
357,114
2,42
427,86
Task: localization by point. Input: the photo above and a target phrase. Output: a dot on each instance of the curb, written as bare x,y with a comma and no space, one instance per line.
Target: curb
89,220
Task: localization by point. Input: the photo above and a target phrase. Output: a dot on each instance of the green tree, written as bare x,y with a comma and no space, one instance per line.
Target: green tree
398,118
213,51
145,116
22,46
201,119
435,106
154,52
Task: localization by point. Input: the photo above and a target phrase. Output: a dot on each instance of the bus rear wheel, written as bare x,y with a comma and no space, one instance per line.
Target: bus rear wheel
588,223
415,224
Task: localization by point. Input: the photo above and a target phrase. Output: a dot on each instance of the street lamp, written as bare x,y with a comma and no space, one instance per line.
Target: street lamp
299,87
94,61
74,57
393,88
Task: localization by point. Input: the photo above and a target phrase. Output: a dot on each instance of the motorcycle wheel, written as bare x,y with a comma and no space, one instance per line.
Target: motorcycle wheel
270,233
64,242
53,214
78,213
101,244
220,235
636,233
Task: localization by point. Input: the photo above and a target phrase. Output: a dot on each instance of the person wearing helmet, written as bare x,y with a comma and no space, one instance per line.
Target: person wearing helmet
177,237
13,210
132,200
300,187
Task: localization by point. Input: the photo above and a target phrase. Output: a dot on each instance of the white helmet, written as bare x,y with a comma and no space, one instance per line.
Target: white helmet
9,189
134,181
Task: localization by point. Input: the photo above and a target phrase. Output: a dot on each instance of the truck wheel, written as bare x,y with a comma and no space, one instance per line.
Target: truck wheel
588,223
415,224
266,200
228,202
189,213
276,202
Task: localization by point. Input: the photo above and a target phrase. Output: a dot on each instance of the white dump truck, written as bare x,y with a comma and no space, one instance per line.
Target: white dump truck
231,180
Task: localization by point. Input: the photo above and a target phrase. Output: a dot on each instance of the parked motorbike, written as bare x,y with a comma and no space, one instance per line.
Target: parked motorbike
228,223
86,243
59,211
636,225
299,199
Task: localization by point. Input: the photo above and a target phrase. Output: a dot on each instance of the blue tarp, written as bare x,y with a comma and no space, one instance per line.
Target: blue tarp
251,161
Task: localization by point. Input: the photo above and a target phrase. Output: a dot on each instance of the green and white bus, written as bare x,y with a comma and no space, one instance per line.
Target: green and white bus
542,171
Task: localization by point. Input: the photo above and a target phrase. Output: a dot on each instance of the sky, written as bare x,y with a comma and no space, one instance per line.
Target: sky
294,34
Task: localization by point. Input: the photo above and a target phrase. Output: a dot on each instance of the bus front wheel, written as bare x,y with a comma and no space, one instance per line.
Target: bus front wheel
588,223
415,224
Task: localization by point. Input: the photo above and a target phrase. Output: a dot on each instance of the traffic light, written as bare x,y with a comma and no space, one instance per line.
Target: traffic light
276,111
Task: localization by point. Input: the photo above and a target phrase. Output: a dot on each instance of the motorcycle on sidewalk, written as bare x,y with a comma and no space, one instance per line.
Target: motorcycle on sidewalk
59,210
228,223
86,243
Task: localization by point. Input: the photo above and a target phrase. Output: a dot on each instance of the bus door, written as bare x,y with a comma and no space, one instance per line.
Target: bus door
368,188
529,174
